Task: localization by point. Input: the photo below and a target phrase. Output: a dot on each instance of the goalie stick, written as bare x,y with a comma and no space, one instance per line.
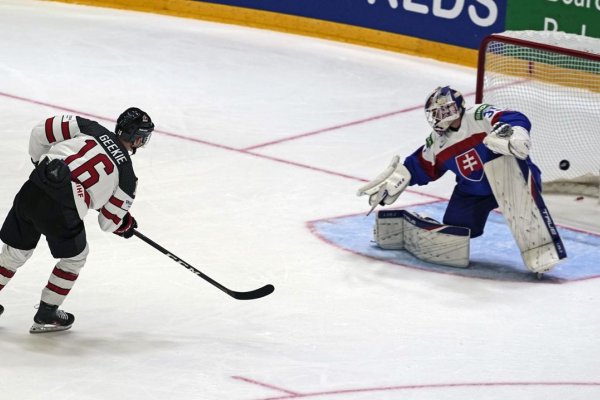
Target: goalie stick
251,295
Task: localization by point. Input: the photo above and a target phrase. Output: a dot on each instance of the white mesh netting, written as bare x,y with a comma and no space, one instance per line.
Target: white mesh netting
554,78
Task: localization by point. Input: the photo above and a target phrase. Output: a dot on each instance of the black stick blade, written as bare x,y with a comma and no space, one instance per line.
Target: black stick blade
253,294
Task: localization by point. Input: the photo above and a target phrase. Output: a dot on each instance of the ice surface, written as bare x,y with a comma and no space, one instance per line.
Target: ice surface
259,133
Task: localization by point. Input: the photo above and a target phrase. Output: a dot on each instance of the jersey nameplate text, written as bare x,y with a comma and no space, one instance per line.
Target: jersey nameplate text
113,149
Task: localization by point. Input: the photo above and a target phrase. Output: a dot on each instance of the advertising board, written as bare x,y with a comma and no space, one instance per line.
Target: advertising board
457,22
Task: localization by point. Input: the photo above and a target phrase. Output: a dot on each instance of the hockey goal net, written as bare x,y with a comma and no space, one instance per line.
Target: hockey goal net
554,78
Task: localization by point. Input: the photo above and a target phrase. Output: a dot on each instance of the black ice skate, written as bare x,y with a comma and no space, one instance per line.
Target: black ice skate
50,319
1,309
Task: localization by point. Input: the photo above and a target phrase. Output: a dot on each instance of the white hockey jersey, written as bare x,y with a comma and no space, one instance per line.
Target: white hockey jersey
463,151
101,169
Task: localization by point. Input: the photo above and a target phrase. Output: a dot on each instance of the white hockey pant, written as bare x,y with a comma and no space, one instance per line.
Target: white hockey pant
63,278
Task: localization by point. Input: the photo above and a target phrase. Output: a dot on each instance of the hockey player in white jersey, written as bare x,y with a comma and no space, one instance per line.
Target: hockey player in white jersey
79,165
463,141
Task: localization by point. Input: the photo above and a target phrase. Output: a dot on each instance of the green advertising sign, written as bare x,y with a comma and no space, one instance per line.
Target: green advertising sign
572,16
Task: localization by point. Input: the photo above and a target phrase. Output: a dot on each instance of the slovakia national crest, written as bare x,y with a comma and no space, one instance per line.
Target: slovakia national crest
470,165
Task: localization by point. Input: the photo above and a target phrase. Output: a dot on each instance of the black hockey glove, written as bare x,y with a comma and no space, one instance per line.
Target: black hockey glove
127,226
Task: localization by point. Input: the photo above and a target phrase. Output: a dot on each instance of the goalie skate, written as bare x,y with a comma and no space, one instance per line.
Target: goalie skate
50,319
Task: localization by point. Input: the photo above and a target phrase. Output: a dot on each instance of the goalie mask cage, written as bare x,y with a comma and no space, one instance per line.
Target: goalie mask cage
554,79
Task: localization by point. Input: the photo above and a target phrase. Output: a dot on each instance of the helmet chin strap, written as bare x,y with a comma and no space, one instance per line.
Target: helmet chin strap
133,147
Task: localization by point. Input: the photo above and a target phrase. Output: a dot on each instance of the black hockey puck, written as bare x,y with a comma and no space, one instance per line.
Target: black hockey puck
564,165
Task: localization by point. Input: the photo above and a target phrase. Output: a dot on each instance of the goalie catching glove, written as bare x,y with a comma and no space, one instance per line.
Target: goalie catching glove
508,140
387,186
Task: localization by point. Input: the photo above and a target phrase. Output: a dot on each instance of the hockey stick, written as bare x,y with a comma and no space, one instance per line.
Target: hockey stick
251,295
381,195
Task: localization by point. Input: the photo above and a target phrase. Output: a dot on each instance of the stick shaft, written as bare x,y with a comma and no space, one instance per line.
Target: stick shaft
254,294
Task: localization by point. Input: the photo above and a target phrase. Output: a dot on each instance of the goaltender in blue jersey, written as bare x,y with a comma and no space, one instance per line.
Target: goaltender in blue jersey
462,141
487,148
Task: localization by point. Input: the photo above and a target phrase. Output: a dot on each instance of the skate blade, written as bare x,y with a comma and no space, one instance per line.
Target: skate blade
46,328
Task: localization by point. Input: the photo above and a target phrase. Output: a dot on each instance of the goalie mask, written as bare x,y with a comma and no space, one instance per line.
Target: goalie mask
132,124
442,107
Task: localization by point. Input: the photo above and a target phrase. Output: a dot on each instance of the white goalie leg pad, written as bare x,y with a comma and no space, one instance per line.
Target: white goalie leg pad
526,214
389,230
541,259
423,237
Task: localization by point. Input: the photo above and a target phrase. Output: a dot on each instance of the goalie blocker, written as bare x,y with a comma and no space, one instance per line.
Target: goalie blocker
423,237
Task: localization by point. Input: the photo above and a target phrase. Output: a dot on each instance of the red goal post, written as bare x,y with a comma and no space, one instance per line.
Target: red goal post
553,78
